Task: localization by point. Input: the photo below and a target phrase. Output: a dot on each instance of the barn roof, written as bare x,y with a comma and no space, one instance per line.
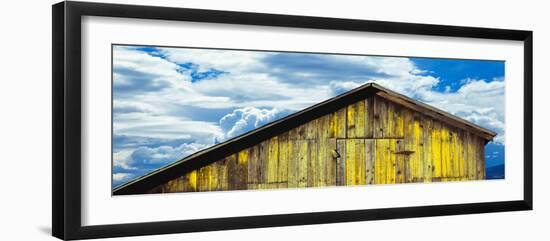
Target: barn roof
221,150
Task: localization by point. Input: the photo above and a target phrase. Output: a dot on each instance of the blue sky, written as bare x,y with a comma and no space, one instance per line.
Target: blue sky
171,102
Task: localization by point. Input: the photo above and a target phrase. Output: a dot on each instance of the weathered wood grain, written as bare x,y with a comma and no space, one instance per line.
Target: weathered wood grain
302,158
337,128
385,161
272,163
445,152
331,161
369,117
428,164
285,150
401,162
370,161
341,162
380,118
355,162
437,150
312,163
356,120
254,167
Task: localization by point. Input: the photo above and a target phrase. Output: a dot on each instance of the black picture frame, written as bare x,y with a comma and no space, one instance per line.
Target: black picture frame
66,127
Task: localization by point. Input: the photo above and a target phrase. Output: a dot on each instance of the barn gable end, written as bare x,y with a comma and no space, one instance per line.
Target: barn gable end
369,135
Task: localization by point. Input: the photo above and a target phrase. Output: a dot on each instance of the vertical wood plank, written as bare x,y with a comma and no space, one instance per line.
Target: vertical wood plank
240,171
205,178
445,151
360,162
350,162
418,148
293,160
356,120
323,127
398,125
461,166
480,158
331,161
285,150
312,163
221,175
190,181
355,162
380,117
392,164
455,149
303,159
427,160
254,168
370,161
409,144
390,120
470,152
322,161
214,176
272,165
338,124
385,161
263,155
436,149
369,117
401,162
341,162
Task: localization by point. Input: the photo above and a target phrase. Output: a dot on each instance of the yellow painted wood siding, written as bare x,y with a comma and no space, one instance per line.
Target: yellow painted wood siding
372,141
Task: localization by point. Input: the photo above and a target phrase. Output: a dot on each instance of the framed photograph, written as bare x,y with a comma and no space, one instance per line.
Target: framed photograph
169,120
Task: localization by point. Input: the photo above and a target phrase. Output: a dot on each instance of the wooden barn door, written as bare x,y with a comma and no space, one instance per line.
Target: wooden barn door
355,162
372,161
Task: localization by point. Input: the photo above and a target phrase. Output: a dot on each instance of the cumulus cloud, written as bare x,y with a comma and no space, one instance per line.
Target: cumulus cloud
246,119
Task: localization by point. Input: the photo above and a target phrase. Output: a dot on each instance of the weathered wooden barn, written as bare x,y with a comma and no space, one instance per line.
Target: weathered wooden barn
369,135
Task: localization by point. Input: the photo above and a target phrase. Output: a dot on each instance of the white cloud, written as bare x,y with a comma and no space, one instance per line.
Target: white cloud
247,119
165,126
122,177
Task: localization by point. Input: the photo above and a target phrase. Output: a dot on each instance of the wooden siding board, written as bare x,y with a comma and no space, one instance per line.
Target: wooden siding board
240,170
398,125
437,150
385,161
370,161
369,117
331,162
303,160
272,165
312,163
341,162
254,168
338,123
285,150
356,120
480,161
355,162
427,128
380,118
293,164
461,165
401,162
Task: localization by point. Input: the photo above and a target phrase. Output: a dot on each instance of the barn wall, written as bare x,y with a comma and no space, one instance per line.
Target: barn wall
373,141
